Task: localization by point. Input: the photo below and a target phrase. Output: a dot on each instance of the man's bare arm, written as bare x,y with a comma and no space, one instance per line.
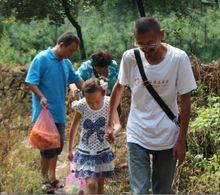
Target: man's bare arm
37,91
179,150
185,115
116,94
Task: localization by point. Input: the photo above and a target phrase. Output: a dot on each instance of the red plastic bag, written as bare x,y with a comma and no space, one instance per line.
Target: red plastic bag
44,134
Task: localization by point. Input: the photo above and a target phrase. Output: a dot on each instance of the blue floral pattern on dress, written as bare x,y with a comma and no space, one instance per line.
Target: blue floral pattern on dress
96,127
92,160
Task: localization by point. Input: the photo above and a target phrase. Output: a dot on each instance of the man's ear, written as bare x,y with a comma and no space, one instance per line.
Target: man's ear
161,34
61,44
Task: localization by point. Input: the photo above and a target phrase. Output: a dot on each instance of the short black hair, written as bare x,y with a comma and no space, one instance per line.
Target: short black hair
145,25
67,38
101,58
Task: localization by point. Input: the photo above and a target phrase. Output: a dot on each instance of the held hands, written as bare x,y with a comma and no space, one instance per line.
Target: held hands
179,151
110,134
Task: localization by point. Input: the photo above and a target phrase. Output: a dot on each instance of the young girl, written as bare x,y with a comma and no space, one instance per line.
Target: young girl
93,157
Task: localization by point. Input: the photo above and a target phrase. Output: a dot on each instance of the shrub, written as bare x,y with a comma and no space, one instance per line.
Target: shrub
198,175
204,135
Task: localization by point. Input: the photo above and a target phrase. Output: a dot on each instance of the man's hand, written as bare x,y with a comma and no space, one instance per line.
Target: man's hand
70,156
179,151
75,94
43,102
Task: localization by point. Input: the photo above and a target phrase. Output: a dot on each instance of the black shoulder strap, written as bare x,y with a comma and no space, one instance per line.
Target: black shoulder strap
152,91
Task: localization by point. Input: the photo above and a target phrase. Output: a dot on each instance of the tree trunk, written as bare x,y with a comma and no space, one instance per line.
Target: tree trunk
77,26
140,8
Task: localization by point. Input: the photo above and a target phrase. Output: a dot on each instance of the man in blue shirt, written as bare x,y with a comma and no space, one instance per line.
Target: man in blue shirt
48,77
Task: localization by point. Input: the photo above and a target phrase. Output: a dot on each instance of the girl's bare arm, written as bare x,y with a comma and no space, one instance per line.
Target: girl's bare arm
73,129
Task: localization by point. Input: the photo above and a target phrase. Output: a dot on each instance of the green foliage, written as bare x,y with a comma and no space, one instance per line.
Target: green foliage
208,117
199,175
36,9
178,7
7,53
21,42
116,34
196,33
53,9
204,135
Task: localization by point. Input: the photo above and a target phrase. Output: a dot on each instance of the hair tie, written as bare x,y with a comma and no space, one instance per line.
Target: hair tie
104,85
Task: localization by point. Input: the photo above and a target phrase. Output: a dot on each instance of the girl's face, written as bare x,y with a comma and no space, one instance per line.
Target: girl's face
95,99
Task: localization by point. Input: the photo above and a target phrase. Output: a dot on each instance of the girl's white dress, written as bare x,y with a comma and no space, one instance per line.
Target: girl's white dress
93,157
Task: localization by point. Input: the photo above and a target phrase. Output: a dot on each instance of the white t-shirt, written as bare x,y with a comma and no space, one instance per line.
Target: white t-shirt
148,125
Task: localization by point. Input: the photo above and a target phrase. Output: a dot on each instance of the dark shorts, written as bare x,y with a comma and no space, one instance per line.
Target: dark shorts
55,152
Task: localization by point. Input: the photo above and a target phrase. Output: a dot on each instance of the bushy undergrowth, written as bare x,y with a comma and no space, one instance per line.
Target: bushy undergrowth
201,171
205,129
198,175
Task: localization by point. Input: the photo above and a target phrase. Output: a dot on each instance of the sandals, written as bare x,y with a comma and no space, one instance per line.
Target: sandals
47,188
50,187
56,184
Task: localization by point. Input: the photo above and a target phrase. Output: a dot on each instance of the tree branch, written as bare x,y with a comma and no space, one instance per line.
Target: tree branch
76,25
140,8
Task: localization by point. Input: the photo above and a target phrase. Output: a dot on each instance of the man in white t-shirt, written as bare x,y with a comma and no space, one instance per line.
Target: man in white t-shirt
149,130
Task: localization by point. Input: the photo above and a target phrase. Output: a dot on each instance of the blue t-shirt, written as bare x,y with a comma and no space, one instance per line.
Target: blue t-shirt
52,76
86,72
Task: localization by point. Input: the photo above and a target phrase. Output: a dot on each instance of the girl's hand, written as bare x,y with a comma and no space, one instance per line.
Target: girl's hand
109,135
70,156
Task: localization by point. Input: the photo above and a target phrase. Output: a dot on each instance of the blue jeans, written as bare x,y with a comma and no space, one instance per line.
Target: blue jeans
140,172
